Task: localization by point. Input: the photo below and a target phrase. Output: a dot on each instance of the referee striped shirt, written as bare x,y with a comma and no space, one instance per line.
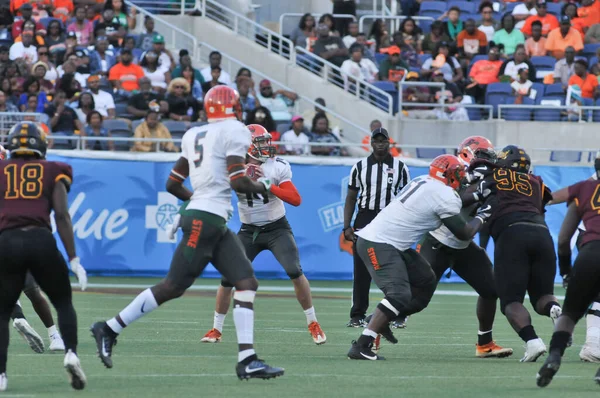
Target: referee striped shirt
378,183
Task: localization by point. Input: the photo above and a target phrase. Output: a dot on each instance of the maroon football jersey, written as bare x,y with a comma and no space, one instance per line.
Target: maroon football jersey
27,187
586,195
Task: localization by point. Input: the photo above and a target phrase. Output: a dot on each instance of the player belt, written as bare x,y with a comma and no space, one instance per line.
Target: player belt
257,230
532,224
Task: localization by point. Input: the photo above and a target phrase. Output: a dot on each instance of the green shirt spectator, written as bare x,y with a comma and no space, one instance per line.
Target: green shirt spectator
185,60
508,35
391,63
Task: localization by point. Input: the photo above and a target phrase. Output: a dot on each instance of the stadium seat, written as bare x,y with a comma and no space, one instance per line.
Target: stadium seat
429,153
432,8
177,129
62,141
122,133
46,21
554,8
379,58
593,61
389,88
425,25
423,58
466,7
517,114
283,125
539,88
544,65
115,124
589,50
554,90
135,124
474,113
198,124
309,63
137,53
549,115
510,7
596,114
496,94
565,156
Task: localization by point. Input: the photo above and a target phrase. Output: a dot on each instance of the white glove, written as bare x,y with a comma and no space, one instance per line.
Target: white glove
484,212
79,272
174,227
266,182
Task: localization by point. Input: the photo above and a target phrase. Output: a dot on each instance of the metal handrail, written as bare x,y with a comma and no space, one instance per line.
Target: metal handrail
395,25
285,15
525,107
169,7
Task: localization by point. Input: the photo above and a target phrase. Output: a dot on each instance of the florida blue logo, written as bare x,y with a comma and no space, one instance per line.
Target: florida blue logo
161,215
165,214
332,215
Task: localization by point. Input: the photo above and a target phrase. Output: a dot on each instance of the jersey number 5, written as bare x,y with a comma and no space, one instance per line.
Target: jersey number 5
509,180
23,184
198,148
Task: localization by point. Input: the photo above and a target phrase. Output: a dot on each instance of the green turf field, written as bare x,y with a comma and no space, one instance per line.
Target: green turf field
160,355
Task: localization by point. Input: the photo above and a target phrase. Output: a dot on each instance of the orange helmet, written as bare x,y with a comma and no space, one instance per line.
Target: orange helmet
448,169
222,102
476,147
261,148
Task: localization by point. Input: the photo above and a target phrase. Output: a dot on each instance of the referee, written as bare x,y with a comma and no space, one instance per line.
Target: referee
374,182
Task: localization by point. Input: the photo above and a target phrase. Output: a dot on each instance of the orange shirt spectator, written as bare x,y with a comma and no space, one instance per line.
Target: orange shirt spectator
471,43
549,23
588,13
535,48
15,6
126,74
588,82
485,71
63,9
562,37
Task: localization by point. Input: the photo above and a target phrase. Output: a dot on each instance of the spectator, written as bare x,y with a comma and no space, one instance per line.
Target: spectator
277,102
320,133
588,15
71,87
563,37
262,116
413,94
70,67
362,40
6,105
409,52
549,22
374,125
24,49
70,43
522,11
535,46
511,66
182,106
330,48
31,107
188,74
329,20
146,39
38,72
508,35
574,103
297,138
165,58
487,24
454,25
484,72
105,104
215,60
443,61
83,64
38,37
153,69
380,34
101,60
186,60
143,101
247,99
470,42
592,35
409,28
85,106
393,67
451,98
353,32
51,72
244,74
570,10
62,118
95,128
215,75
522,86
112,28
565,68
124,18
347,7
55,40
26,14
305,30
124,76
320,106
151,127
83,28
129,44
436,36
6,88
585,80
32,87
359,68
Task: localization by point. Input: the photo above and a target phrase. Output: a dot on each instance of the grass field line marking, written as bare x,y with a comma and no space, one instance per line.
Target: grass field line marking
274,289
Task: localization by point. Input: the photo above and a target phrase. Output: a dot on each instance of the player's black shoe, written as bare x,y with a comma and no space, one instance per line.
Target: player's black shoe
106,339
399,323
356,323
363,353
597,377
387,334
548,370
257,369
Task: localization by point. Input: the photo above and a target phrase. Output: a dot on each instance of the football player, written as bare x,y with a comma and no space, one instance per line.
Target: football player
524,256
33,187
265,227
403,275
584,284
443,250
213,156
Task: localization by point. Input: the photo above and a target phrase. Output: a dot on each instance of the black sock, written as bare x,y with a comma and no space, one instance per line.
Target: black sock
67,323
484,338
17,312
559,342
249,360
527,333
548,307
365,340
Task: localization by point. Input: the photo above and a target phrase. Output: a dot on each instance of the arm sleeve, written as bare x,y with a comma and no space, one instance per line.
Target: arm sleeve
353,181
63,173
287,192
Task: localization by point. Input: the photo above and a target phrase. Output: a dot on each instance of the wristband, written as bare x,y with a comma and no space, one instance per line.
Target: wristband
564,263
344,230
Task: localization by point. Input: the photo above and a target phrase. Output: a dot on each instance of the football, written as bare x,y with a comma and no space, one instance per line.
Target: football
253,171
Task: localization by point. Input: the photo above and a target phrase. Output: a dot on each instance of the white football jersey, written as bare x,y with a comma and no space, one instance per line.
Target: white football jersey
444,236
206,148
418,209
257,209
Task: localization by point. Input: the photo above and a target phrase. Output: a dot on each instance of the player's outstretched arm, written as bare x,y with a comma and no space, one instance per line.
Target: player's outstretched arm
567,230
240,182
461,229
287,192
175,182
349,207
562,195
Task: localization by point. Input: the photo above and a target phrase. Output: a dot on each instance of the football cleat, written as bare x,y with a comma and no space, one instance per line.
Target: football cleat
3,382
377,344
212,336
590,353
533,350
29,335
257,369
492,350
364,353
106,339
56,343
548,370
399,323
387,334
317,333
596,379
356,323
73,368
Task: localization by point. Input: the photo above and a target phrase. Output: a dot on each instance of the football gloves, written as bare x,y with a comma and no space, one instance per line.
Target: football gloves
485,188
566,278
79,272
266,182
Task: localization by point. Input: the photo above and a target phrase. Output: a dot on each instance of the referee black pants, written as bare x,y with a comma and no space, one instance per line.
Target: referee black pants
362,279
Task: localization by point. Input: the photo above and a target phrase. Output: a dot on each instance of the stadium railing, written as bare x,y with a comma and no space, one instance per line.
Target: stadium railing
395,21
9,119
289,20
168,6
549,113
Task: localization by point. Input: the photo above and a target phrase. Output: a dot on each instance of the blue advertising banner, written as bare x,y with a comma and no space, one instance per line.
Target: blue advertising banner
121,210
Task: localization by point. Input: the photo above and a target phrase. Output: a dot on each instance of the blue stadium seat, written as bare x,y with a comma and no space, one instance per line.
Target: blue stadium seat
593,61
510,7
135,124
589,50
46,21
283,125
554,90
496,94
474,113
432,8
539,87
554,8
429,153
120,133
425,25
499,88
543,64
309,63
549,115
596,114
520,114
466,7
115,124
565,156
177,129
61,141
389,88
423,58
379,58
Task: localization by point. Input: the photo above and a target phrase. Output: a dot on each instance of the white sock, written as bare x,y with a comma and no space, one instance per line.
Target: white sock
143,304
218,321
52,331
310,315
593,326
369,332
245,354
243,318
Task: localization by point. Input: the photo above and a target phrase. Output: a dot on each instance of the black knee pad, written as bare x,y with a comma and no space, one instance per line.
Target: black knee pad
226,284
295,275
506,302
